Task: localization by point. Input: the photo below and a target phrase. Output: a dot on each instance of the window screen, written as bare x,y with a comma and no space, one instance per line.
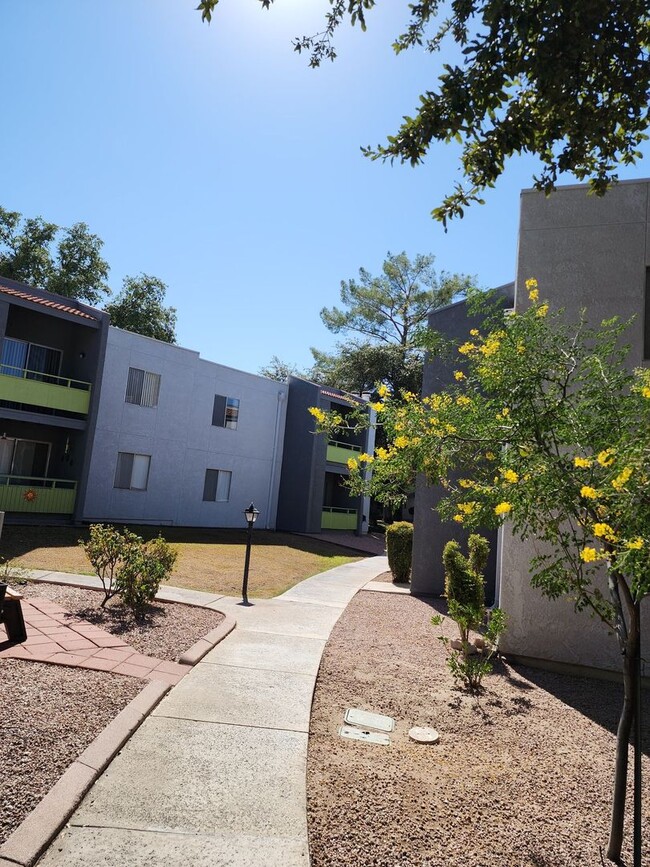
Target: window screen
142,387
132,471
216,488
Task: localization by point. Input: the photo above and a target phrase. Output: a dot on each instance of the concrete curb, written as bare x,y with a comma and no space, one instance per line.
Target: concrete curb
40,827
198,650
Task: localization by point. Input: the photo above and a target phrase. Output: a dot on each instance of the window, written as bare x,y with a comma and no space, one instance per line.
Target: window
40,362
23,458
225,412
142,387
216,488
132,471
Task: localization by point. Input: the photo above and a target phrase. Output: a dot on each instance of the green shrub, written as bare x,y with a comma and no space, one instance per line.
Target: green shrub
466,668
399,547
105,548
464,583
127,565
145,566
465,591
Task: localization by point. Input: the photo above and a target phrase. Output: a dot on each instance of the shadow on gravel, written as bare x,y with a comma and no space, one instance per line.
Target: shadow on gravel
599,700
118,619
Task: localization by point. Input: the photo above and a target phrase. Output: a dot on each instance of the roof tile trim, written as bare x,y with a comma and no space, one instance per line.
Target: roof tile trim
36,299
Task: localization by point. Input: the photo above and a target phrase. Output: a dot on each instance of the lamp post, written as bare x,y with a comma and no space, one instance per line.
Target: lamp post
250,514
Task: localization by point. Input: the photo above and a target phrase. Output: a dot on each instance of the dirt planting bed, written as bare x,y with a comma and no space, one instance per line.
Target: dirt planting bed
521,777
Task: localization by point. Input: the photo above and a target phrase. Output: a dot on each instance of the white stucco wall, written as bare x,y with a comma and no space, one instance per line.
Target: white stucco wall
179,436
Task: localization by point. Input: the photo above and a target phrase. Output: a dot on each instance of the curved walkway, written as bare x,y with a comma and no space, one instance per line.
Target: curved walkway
216,775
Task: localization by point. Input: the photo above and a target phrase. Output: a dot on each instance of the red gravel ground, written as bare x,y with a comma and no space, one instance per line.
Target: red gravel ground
522,777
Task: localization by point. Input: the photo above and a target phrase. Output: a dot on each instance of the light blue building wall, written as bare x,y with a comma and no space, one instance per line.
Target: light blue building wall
170,448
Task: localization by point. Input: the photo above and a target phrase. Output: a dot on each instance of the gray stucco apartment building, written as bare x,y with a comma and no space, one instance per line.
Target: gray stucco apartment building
100,424
586,253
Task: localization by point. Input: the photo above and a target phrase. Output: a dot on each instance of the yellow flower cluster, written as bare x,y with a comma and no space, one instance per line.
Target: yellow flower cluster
645,391
383,391
541,311
621,480
377,406
490,347
318,414
474,332
582,462
635,544
502,509
510,476
589,555
381,453
466,348
467,508
531,286
604,531
588,493
401,442
353,463
463,400
606,457
365,458
466,483
459,375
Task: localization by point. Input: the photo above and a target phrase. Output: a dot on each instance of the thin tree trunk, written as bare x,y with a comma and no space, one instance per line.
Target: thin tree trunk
615,843
628,636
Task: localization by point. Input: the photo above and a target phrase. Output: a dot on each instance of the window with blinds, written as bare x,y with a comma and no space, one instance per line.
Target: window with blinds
21,358
142,387
132,471
216,488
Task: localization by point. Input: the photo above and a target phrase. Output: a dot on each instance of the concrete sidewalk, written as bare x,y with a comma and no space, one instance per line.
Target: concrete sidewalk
216,776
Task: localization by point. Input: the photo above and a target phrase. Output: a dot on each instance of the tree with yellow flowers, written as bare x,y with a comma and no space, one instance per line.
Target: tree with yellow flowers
547,428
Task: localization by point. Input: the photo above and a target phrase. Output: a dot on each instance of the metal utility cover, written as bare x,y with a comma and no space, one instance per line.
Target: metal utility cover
364,735
366,720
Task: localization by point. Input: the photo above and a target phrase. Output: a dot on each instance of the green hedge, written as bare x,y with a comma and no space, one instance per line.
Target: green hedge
399,547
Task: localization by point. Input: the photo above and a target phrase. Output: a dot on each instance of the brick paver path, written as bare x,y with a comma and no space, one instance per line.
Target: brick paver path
54,635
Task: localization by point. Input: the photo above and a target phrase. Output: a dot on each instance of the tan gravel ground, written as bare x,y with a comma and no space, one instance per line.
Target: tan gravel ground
50,713
521,778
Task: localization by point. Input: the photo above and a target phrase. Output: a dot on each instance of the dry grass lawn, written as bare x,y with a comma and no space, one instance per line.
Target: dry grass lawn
209,560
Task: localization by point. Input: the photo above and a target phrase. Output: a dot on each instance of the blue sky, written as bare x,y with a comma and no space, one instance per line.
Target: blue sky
215,159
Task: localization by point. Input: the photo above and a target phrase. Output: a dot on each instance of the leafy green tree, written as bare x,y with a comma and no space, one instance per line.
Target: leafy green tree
65,261
567,82
390,312
556,430
140,307
279,370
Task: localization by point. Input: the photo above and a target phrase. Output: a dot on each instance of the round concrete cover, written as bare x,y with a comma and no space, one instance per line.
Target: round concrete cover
424,735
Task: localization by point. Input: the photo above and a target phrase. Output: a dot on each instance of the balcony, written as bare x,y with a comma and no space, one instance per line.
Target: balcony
333,518
340,453
31,494
44,390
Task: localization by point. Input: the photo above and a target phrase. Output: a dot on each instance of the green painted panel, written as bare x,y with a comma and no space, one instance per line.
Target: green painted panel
339,454
46,394
343,520
31,498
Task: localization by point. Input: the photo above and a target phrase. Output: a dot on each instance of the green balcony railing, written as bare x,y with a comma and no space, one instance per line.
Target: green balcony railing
32,494
334,518
44,389
340,453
